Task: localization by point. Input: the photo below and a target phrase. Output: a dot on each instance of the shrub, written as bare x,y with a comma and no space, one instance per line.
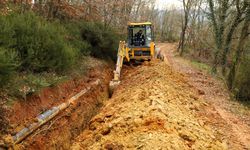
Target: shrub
103,41
92,38
7,55
242,83
7,65
31,46
7,39
41,45
74,37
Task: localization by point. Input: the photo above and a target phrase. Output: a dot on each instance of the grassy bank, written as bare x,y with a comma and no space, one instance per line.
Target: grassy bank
37,53
241,90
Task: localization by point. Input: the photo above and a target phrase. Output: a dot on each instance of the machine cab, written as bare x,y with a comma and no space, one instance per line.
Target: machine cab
140,34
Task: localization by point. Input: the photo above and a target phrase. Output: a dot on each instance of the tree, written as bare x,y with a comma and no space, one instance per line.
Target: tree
240,49
187,4
218,23
237,19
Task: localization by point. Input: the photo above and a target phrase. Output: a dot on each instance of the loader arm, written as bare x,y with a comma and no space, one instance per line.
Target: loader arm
121,55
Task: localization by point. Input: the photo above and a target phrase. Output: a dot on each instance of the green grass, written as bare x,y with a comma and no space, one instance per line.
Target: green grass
36,53
30,83
200,65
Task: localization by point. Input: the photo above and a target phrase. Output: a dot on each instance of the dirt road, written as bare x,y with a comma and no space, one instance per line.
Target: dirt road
228,116
158,105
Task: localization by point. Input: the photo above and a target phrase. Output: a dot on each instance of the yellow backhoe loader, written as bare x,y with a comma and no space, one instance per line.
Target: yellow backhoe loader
140,46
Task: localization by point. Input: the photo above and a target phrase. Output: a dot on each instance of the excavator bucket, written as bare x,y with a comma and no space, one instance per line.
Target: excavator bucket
112,86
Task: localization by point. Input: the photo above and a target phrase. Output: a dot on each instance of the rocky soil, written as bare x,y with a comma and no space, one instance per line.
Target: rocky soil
154,108
160,106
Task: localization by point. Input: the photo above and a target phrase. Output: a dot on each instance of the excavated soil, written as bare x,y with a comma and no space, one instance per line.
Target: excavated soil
165,105
153,108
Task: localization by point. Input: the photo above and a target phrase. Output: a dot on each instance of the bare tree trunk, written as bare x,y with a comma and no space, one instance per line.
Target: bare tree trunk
183,36
237,20
240,49
186,7
180,41
219,28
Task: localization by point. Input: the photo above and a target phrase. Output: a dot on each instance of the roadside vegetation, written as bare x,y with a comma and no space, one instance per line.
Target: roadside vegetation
37,53
213,32
217,33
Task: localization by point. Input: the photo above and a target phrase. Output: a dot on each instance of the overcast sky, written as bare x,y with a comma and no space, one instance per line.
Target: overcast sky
167,3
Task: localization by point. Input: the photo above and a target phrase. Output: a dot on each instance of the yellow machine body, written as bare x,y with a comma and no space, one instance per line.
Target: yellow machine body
140,51
132,52
140,47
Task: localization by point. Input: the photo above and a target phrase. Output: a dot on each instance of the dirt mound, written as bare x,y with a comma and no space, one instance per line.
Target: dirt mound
153,108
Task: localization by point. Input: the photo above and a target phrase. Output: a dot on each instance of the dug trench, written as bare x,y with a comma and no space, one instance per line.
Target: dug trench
59,132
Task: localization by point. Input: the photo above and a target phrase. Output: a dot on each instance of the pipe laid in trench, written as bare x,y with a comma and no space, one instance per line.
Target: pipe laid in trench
48,115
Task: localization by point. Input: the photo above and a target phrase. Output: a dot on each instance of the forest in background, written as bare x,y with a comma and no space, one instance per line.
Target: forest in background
37,36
